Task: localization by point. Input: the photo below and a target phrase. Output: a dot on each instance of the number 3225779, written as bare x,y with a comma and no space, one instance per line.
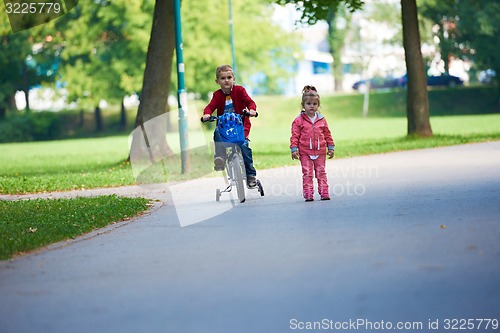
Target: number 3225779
470,324
32,8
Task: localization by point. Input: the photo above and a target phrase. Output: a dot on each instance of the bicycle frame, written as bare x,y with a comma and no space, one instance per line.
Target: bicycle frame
235,171
234,168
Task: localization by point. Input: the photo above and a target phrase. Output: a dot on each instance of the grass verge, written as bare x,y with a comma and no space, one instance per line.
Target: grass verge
26,225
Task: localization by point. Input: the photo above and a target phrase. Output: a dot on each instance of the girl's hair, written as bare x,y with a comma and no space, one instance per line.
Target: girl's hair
309,91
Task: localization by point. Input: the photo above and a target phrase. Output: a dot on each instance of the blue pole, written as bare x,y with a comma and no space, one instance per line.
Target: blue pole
181,90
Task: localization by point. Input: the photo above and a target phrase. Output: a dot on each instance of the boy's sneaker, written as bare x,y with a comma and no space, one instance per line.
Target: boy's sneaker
219,163
251,181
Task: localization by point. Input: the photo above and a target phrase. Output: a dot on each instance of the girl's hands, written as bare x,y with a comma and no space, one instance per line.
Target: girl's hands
295,154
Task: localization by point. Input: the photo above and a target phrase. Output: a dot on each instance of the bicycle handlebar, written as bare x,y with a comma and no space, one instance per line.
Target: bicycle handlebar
214,118
247,113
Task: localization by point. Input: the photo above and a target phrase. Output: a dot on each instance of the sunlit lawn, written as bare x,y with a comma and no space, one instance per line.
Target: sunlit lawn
101,162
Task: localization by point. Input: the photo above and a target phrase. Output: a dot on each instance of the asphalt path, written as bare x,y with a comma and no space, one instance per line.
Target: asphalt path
408,243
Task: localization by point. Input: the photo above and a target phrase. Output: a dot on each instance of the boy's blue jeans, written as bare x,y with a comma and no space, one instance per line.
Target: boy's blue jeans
246,152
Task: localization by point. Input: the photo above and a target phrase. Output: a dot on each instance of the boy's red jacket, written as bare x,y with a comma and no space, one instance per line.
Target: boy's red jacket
241,100
309,138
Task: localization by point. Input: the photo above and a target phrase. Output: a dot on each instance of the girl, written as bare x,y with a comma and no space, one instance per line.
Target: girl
310,142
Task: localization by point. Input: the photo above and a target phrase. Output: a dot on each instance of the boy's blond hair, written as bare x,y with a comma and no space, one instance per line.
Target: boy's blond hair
223,68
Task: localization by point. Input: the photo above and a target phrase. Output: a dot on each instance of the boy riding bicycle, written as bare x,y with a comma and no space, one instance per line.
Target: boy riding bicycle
232,98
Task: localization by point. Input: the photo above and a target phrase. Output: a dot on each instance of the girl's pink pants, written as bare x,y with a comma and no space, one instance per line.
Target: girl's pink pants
311,168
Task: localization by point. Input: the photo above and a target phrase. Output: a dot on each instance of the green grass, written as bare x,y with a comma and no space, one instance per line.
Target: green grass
101,162
64,165
30,224
360,136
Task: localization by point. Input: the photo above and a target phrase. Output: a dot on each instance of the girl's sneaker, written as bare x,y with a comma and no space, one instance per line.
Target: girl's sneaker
309,199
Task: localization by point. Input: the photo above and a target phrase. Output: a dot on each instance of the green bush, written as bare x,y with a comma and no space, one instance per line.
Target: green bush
33,126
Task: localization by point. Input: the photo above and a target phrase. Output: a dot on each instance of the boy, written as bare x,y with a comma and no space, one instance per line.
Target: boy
232,98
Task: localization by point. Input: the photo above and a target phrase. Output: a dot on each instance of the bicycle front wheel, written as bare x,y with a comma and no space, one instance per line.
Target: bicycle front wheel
238,168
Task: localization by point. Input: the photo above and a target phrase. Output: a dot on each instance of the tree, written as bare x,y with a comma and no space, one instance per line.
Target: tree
27,59
259,44
105,61
14,50
316,10
156,81
155,87
443,14
205,46
338,23
480,33
467,30
417,105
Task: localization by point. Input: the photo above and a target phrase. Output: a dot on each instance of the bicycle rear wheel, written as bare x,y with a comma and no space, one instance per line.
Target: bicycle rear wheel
238,174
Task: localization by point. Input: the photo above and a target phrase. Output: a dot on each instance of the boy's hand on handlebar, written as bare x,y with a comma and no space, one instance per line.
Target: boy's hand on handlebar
206,117
250,113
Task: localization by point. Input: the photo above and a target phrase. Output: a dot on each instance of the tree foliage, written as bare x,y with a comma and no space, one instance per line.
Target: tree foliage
316,10
27,58
261,46
466,30
96,51
417,107
337,33
106,59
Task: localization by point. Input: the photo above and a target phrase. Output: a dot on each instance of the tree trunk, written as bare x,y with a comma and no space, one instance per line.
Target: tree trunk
336,41
417,105
149,137
4,105
123,117
155,86
26,87
99,125
81,119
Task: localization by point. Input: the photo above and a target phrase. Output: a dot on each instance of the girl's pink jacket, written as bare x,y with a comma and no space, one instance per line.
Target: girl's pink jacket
309,138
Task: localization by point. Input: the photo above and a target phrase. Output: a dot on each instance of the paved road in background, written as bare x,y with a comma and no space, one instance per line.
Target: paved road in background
408,237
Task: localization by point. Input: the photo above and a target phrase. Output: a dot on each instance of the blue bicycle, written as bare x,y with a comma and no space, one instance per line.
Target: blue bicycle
234,170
